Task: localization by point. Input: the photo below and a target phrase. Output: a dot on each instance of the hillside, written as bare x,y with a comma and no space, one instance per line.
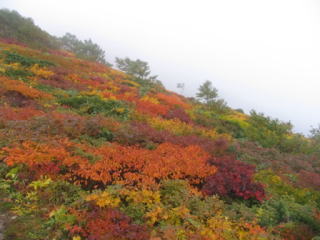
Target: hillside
89,152
17,28
23,31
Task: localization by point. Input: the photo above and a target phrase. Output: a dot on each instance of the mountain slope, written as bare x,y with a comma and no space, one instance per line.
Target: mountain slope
88,152
20,29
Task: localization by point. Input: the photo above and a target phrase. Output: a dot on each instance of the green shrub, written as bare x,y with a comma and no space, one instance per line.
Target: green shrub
296,143
17,73
11,57
174,192
94,105
25,228
270,132
285,210
205,207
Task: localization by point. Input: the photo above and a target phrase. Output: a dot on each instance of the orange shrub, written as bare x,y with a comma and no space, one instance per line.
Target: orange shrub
10,113
147,107
9,85
172,100
42,159
114,163
136,166
128,96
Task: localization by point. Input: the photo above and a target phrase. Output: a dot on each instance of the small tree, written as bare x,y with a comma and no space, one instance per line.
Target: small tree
181,86
136,68
207,93
315,134
84,49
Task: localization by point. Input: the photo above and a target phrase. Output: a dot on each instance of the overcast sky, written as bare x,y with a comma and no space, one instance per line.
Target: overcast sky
260,54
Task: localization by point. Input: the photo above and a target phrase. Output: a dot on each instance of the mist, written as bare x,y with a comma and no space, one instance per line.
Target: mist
262,55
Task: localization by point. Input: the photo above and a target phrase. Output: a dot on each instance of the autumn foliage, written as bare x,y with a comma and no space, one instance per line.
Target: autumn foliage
88,152
233,179
11,113
112,224
115,163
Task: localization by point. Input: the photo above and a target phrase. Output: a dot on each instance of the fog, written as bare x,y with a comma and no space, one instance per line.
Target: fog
262,55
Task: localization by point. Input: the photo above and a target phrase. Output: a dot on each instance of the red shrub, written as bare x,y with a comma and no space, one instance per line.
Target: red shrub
17,99
113,225
138,133
143,134
99,79
233,179
12,41
123,89
309,179
71,125
180,114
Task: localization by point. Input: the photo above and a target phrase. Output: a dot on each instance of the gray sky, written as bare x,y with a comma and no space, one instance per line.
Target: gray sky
262,55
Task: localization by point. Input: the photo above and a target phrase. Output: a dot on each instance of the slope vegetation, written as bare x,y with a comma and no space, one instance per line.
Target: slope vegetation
88,152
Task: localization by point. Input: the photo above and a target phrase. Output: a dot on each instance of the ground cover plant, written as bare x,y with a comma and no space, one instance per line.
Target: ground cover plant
91,152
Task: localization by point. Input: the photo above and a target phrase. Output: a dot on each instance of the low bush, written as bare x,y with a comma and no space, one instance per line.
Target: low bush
233,179
95,105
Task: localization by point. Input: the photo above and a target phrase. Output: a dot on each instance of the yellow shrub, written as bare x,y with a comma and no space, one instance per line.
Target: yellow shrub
178,127
104,199
132,83
236,117
150,99
41,72
220,227
150,198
